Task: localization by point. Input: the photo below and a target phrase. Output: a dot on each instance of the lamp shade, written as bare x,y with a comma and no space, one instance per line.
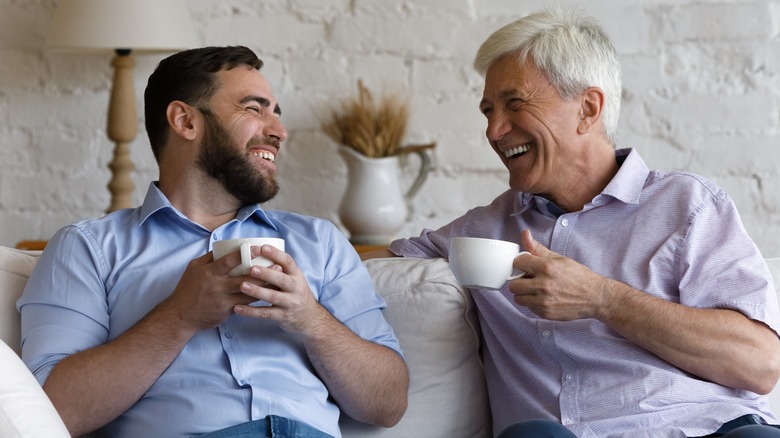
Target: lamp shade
143,26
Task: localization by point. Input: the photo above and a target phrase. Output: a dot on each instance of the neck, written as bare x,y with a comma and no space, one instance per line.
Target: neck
200,198
586,180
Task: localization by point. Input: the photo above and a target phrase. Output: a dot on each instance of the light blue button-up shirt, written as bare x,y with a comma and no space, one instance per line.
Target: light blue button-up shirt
674,235
98,277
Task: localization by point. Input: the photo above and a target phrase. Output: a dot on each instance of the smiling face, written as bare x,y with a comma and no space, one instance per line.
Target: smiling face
242,136
531,128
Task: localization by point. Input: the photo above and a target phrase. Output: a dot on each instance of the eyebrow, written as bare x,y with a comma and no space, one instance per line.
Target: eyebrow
502,95
508,93
264,102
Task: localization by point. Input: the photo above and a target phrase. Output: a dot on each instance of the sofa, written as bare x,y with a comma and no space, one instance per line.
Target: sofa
434,319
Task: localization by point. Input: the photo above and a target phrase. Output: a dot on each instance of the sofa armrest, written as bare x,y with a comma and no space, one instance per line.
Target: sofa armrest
436,324
25,411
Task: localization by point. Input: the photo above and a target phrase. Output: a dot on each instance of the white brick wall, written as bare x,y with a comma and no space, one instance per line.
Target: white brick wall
701,83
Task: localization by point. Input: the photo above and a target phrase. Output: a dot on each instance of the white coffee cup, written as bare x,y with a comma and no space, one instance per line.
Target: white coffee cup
483,263
222,248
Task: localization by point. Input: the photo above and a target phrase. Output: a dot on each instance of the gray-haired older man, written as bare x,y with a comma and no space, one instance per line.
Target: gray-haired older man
647,310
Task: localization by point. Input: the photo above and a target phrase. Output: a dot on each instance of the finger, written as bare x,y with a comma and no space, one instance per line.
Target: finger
227,263
205,258
269,295
531,245
280,258
242,299
262,312
259,278
270,276
522,265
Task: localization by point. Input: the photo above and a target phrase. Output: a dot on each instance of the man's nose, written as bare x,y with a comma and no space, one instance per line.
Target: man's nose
275,128
498,126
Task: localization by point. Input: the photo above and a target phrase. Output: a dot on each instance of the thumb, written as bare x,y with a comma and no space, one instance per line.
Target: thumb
534,247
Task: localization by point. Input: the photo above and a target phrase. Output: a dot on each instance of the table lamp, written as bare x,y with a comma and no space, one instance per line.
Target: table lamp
121,27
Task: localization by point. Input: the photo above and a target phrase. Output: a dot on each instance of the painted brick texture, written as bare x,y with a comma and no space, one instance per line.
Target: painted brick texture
701,93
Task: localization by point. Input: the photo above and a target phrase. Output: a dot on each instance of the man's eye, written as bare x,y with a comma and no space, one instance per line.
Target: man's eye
253,109
515,104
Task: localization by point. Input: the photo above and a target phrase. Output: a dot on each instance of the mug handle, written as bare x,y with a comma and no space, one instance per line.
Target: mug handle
246,257
520,273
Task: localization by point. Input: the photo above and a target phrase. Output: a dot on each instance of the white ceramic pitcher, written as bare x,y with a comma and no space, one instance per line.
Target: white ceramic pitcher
374,206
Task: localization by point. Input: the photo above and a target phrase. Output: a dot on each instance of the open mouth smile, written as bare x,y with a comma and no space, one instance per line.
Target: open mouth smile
265,155
517,151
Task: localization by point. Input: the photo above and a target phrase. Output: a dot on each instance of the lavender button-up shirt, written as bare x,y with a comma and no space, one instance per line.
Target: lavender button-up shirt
674,235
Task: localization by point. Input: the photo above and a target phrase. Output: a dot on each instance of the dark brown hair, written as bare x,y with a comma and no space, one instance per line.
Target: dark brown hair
187,76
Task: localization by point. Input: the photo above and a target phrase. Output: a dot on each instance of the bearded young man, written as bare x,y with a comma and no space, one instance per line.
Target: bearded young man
133,328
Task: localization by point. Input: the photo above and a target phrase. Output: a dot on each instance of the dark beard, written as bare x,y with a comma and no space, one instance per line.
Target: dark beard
220,158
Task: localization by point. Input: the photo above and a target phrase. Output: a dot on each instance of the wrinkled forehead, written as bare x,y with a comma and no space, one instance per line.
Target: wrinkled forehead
507,74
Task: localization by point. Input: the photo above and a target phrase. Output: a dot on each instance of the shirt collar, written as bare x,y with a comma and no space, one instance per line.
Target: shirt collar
156,200
630,179
626,186
254,210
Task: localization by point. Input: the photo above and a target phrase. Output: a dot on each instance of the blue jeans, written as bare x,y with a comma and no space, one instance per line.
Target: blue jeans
269,427
537,429
747,426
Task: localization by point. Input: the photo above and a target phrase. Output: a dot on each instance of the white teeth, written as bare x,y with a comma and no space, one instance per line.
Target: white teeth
515,151
265,155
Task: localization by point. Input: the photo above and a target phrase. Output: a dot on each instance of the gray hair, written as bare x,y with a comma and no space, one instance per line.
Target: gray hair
571,49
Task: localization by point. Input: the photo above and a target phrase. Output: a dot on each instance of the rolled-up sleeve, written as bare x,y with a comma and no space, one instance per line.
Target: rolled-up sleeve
63,306
721,267
348,293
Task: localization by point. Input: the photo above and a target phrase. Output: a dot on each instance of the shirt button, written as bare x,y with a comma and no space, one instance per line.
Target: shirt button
566,421
228,335
569,377
242,382
565,222
546,334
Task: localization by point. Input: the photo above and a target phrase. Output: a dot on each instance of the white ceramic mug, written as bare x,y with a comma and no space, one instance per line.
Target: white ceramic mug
483,263
222,248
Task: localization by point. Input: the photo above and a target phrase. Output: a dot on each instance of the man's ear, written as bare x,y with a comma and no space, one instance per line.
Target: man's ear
592,102
183,120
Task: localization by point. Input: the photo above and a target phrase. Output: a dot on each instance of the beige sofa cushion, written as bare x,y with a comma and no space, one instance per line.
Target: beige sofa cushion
436,324
15,269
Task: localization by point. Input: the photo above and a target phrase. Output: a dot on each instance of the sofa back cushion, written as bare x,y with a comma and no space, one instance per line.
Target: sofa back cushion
436,324
15,269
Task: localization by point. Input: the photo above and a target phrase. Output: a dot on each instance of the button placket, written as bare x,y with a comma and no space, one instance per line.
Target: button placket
228,336
564,226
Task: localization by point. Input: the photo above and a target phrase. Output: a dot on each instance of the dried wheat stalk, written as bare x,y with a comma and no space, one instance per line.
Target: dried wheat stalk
373,129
